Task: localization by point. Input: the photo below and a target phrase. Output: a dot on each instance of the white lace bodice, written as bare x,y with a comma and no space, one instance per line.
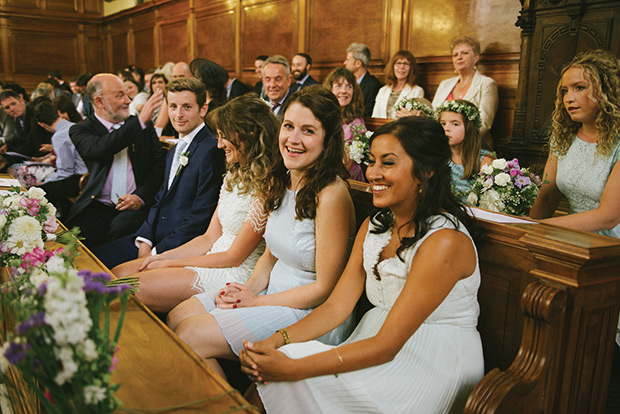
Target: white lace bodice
461,302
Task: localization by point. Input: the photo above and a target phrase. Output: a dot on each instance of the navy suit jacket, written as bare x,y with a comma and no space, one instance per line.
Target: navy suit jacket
310,81
97,147
370,87
185,210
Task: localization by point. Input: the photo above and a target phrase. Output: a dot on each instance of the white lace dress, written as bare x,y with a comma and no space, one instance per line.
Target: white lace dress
293,243
234,209
434,371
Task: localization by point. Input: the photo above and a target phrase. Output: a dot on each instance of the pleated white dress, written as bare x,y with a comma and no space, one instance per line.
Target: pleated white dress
435,370
234,210
293,243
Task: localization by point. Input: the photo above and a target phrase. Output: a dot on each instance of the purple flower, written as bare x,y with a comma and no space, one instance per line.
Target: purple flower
34,321
515,171
94,285
514,163
16,352
42,288
522,181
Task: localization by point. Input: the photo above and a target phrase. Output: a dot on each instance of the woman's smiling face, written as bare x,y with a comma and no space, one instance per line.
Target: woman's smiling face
301,138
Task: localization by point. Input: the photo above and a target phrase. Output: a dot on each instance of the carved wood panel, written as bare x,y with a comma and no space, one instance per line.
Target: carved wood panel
268,29
119,52
62,5
215,38
25,4
144,47
92,6
95,52
173,41
38,53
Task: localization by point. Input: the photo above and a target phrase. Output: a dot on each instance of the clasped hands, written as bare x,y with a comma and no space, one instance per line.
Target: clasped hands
261,361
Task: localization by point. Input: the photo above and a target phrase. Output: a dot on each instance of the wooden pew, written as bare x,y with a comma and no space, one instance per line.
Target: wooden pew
549,303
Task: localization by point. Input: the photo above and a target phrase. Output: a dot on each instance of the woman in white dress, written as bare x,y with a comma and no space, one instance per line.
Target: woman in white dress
470,85
418,350
310,223
402,72
229,249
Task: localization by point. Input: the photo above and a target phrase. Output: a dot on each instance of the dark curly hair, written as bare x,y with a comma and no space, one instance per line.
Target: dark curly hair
425,142
326,169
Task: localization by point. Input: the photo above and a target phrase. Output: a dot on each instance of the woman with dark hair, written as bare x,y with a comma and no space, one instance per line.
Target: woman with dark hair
402,72
418,350
67,110
311,220
214,77
342,83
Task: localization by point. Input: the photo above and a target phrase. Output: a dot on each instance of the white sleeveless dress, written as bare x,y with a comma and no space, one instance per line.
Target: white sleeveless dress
434,371
234,209
293,243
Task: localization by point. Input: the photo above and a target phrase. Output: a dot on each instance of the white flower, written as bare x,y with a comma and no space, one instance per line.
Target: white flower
65,309
89,350
36,192
93,394
491,200
55,264
12,201
488,183
24,235
4,363
486,169
499,163
502,179
38,277
69,367
2,221
408,106
183,160
472,199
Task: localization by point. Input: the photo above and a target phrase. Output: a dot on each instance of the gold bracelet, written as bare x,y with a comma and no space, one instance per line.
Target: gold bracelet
287,338
339,362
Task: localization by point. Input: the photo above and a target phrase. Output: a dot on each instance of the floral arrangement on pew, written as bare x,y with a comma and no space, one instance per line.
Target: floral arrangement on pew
358,145
27,219
505,187
62,343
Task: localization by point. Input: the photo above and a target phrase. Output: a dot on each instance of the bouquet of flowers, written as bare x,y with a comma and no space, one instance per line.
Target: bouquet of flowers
413,104
27,219
505,187
359,143
62,344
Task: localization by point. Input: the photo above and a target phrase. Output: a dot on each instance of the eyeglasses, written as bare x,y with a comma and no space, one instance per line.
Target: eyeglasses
405,64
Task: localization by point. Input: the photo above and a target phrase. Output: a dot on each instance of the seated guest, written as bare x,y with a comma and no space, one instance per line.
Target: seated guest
357,61
470,85
44,89
342,84
402,72
235,88
229,249
124,159
258,70
147,81
307,234
461,122
135,93
64,183
300,65
418,350
277,81
66,109
188,196
158,83
214,78
181,70
85,107
137,74
62,85
22,134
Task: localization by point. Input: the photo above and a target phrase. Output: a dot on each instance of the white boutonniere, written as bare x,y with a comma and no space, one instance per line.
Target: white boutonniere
183,160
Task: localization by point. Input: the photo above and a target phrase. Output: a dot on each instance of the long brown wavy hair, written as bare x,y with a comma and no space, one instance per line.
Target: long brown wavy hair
413,68
326,169
248,123
355,109
602,70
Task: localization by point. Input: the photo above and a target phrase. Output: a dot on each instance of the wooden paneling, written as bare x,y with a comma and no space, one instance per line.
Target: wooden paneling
144,48
174,42
95,53
62,5
92,6
366,24
215,38
31,50
119,51
24,4
268,29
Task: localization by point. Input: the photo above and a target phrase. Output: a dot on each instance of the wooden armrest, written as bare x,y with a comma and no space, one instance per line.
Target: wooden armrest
83,181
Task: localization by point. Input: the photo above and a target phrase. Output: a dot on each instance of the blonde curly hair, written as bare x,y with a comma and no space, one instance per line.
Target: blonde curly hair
602,70
248,123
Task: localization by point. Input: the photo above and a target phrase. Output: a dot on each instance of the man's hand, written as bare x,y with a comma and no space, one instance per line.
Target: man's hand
149,107
129,202
46,148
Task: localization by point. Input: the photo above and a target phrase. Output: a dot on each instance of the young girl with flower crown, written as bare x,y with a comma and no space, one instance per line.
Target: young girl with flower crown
461,122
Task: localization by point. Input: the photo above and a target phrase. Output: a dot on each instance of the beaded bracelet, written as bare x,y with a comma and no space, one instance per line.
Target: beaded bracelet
287,338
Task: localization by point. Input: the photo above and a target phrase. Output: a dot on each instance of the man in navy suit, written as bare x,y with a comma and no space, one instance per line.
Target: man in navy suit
189,194
357,61
300,65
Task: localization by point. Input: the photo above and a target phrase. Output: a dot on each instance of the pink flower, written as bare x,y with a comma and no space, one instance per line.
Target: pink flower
34,258
114,360
50,225
515,171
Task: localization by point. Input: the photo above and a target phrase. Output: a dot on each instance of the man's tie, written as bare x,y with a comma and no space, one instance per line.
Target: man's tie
275,107
119,172
18,126
181,145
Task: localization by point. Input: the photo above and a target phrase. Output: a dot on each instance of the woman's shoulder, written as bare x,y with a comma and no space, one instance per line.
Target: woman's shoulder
336,191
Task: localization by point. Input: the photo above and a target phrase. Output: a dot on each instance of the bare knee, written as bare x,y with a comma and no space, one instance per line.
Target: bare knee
186,309
203,334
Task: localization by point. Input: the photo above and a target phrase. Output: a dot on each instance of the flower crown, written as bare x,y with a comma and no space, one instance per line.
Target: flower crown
470,111
414,105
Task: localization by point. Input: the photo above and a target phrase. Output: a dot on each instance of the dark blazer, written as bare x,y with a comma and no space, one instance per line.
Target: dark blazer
97,147
370,87
185,210
238,88
27,139
296,86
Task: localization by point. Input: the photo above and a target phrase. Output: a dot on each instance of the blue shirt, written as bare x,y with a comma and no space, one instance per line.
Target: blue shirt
68,161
